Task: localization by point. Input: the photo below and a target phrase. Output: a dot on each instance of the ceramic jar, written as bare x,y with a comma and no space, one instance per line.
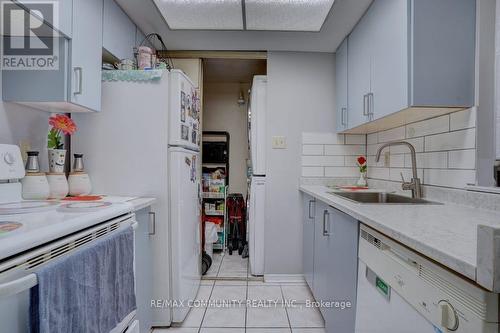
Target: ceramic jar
35,186
79,184
57,160
58,185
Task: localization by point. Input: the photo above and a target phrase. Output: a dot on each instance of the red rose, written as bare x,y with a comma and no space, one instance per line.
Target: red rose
361,160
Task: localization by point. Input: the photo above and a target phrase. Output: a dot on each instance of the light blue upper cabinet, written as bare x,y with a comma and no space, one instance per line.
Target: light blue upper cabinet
410,60
358,72
119,32
86,50
61,20
341,85
389,57
75,84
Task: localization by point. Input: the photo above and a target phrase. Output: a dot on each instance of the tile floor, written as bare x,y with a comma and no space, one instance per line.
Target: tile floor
227,266
228,280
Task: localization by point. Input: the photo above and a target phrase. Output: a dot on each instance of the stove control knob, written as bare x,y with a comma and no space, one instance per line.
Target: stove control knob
449,317
9,158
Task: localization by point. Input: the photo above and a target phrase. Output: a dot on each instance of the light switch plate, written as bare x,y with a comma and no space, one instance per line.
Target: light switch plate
279,142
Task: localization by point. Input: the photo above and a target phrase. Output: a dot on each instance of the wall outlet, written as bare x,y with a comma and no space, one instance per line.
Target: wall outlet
279,142
387,159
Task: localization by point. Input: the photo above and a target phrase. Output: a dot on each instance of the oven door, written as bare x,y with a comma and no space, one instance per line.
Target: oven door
17,278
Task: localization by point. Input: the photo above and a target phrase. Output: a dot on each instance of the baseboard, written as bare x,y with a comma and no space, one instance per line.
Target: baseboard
284,278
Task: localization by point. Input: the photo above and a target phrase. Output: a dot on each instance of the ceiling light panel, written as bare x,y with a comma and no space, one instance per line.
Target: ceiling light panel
202,14
286,15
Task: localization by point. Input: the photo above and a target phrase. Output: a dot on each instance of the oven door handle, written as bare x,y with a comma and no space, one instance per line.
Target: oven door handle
14,287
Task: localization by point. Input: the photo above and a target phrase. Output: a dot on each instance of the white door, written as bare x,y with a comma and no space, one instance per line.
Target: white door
377,314
256,224
184,112
258,125
185,228
86,53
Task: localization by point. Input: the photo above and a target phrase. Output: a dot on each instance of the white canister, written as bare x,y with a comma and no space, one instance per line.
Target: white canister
57,160
58,185
35,186
79,184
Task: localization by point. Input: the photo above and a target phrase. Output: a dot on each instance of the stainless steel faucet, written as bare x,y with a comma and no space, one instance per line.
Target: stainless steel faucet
415,184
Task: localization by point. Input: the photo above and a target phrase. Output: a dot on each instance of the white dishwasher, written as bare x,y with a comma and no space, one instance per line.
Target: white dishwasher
399,291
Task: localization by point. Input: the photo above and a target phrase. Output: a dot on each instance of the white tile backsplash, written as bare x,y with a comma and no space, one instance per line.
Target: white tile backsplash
355,139
323,138
313,171
396,161
417,143
322,160
463,119
436,160
449,178
445,146
462,159
372,138
331,155
463,139
341,172
427,127
312,150
397,133
343,150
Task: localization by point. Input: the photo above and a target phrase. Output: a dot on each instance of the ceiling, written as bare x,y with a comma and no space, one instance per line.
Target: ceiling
266,15
339,22
232,70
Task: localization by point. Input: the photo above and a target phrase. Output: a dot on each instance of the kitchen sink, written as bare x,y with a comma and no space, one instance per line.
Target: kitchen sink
382,198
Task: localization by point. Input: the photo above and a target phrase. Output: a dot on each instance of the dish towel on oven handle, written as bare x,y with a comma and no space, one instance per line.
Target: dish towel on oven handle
89,291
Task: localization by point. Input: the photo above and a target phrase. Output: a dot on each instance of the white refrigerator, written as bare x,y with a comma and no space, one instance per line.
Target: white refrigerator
145,142
257,145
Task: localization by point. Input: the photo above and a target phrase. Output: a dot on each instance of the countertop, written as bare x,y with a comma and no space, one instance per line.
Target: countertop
141,202
445,233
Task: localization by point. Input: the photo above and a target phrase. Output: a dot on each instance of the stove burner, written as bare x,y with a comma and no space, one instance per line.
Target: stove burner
23,207
82,207
8,226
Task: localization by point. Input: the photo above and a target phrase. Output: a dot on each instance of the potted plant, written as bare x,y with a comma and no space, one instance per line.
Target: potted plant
361,161
60,125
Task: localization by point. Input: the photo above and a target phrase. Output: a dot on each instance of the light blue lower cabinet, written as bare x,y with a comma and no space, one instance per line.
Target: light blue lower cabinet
335,267
308,238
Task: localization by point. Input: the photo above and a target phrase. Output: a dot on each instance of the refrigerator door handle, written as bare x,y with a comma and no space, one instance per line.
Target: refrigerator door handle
152,223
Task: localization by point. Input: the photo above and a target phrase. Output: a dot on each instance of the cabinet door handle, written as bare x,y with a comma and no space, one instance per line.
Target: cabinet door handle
311,216
365,105
79,70
370,104
326,221
344,114
152,223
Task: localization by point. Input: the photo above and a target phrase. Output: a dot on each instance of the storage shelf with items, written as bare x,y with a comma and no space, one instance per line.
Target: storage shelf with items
214,202
215,181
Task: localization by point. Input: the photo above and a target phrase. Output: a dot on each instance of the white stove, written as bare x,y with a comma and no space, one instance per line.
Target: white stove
21,231
26,224
39,231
